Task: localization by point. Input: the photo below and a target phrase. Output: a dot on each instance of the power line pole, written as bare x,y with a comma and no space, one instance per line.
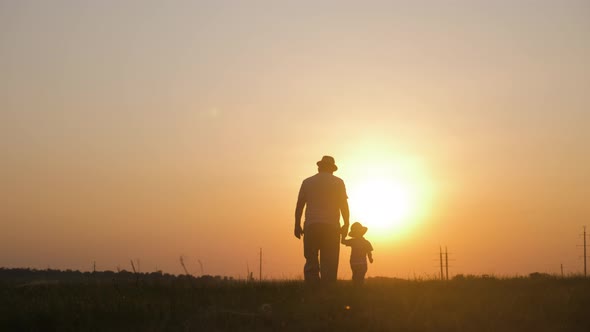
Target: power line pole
442,277
260,275
584,251
447,261
584,245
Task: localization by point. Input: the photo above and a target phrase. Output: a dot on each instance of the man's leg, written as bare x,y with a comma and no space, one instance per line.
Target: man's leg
311,270
329,253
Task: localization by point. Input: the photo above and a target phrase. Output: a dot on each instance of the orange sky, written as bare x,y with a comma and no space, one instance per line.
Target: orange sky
148,131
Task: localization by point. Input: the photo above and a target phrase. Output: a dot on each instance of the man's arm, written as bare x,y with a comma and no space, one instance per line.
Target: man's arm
298,213
345,216
344,210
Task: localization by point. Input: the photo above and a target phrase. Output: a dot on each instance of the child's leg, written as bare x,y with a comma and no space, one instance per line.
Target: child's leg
358,273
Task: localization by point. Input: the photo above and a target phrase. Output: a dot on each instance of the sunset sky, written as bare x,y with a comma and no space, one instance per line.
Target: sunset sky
154,129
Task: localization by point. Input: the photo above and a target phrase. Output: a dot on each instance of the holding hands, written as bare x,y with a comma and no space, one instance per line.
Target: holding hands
344,231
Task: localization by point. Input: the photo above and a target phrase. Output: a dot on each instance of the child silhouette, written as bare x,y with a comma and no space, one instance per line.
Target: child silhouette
360,250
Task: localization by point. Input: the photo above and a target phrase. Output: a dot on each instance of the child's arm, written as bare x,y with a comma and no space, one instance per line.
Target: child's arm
344,240
370,251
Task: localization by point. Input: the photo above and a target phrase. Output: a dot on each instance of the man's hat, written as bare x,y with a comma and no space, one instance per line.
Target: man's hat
357,230
328,163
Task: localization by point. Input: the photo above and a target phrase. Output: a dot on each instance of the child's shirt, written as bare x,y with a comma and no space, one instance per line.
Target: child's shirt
360,248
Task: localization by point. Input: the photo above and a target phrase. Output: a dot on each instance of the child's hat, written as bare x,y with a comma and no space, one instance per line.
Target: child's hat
357,230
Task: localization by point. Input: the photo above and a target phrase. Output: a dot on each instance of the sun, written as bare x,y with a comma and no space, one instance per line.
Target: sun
388,194
382,203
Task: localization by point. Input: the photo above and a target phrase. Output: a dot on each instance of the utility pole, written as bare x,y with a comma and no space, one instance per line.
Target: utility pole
442,277
447,261
584,251
584,245
260,275
248,272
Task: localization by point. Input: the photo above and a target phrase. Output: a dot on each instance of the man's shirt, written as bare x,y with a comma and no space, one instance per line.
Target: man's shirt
323,194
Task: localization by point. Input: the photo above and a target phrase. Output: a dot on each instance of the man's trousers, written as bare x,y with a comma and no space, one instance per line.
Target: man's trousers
321,248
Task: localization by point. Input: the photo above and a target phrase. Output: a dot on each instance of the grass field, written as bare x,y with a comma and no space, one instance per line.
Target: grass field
471,304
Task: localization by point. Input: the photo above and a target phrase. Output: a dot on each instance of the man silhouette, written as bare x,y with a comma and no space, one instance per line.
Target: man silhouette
324,198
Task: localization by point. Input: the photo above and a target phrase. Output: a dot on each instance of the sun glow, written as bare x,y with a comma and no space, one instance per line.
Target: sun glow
387,194
382,203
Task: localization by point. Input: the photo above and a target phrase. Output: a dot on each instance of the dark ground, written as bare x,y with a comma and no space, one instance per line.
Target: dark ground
189,304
